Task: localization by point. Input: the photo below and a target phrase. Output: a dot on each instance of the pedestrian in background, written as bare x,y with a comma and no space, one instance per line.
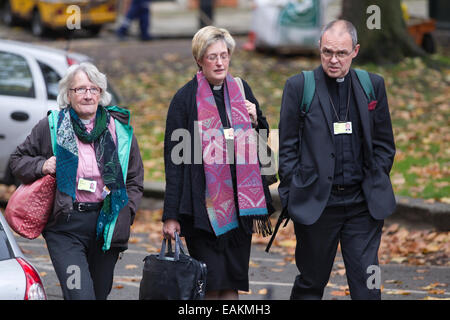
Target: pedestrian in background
216,205
139,9
206,13
334,177
99,185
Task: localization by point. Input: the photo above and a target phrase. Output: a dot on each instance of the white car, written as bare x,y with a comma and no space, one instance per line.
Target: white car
29,76
19,280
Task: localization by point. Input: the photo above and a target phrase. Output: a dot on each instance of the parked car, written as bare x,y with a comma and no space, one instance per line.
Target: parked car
29,76
44,15
19,280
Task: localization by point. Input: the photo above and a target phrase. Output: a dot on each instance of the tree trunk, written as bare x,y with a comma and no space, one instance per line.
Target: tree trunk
388,44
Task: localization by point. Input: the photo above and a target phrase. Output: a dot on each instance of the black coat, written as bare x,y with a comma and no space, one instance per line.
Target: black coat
185,183
306,177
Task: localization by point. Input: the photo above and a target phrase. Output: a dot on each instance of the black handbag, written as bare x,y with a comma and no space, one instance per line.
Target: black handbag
172,275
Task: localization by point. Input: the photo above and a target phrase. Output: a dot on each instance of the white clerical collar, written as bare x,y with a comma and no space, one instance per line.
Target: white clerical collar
217,87
86,121
340,79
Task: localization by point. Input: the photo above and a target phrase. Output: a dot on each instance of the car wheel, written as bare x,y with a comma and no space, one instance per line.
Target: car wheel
7,16
37,27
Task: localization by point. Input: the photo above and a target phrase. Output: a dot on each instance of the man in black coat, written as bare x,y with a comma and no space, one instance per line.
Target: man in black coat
334,181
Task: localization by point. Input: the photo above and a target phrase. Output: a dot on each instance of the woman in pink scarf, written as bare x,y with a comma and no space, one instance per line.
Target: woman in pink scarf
215,193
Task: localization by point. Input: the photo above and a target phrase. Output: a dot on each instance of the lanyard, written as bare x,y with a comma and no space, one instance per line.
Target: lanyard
348,104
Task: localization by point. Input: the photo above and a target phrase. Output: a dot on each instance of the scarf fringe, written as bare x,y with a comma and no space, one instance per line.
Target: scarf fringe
257,224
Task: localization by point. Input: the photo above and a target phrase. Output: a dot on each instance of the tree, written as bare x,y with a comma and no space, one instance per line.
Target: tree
382,31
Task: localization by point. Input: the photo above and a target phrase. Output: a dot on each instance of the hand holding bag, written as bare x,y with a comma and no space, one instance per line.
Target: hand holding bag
172,275
30,206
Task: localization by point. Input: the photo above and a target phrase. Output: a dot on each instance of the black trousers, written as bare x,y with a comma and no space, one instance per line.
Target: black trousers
84,271
359,235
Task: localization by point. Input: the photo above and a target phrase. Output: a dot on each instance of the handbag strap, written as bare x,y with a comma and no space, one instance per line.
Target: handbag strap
168,243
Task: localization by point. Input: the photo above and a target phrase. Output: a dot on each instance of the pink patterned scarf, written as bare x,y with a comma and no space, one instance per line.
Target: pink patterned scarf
220,200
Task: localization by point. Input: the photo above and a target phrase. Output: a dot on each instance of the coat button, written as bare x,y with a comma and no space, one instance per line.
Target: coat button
330,178
332,155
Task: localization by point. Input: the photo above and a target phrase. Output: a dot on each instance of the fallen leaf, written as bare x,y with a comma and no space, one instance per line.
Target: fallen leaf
394,281
262,291
399,259
131,266
288,243
134,240
253,264
398,292
436,291
43,273
119,286
422,270
434,285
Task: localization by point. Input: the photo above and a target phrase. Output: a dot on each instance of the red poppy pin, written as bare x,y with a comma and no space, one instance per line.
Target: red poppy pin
372,105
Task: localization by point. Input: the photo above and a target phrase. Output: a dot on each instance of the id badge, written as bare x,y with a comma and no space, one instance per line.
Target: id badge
342,127
228,133
87,185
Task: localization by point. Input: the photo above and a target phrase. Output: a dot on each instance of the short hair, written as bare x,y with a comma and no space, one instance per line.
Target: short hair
94,76
349,27
206,37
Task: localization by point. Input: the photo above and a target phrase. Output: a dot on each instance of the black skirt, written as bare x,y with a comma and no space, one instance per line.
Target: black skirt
227,263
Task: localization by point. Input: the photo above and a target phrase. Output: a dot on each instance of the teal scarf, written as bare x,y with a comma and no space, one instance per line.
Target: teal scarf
69,126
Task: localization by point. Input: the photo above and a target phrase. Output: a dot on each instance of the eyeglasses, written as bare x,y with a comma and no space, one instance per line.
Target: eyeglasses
339,54
213,57
82,90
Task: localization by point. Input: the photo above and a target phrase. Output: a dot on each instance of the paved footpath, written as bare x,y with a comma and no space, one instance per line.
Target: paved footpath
271,275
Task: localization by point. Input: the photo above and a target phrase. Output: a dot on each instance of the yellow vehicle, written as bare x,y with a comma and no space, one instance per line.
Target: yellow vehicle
60,14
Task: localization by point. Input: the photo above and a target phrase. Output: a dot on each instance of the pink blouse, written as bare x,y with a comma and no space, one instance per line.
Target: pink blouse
88,168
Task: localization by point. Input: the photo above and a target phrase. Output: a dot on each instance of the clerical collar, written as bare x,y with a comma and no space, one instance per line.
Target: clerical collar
217,87
337,81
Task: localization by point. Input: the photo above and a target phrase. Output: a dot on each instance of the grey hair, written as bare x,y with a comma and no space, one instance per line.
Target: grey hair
349,27
94,76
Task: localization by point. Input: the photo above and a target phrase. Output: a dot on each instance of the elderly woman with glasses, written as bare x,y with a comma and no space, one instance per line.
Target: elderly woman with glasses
90,148
215,193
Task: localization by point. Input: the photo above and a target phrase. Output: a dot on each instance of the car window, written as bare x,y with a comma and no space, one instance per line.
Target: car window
5,249
51,78
15,76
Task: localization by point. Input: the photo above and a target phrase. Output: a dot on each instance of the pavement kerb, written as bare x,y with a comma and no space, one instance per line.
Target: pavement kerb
414,211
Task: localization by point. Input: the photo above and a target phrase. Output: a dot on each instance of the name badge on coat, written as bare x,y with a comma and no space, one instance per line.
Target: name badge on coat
342,127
